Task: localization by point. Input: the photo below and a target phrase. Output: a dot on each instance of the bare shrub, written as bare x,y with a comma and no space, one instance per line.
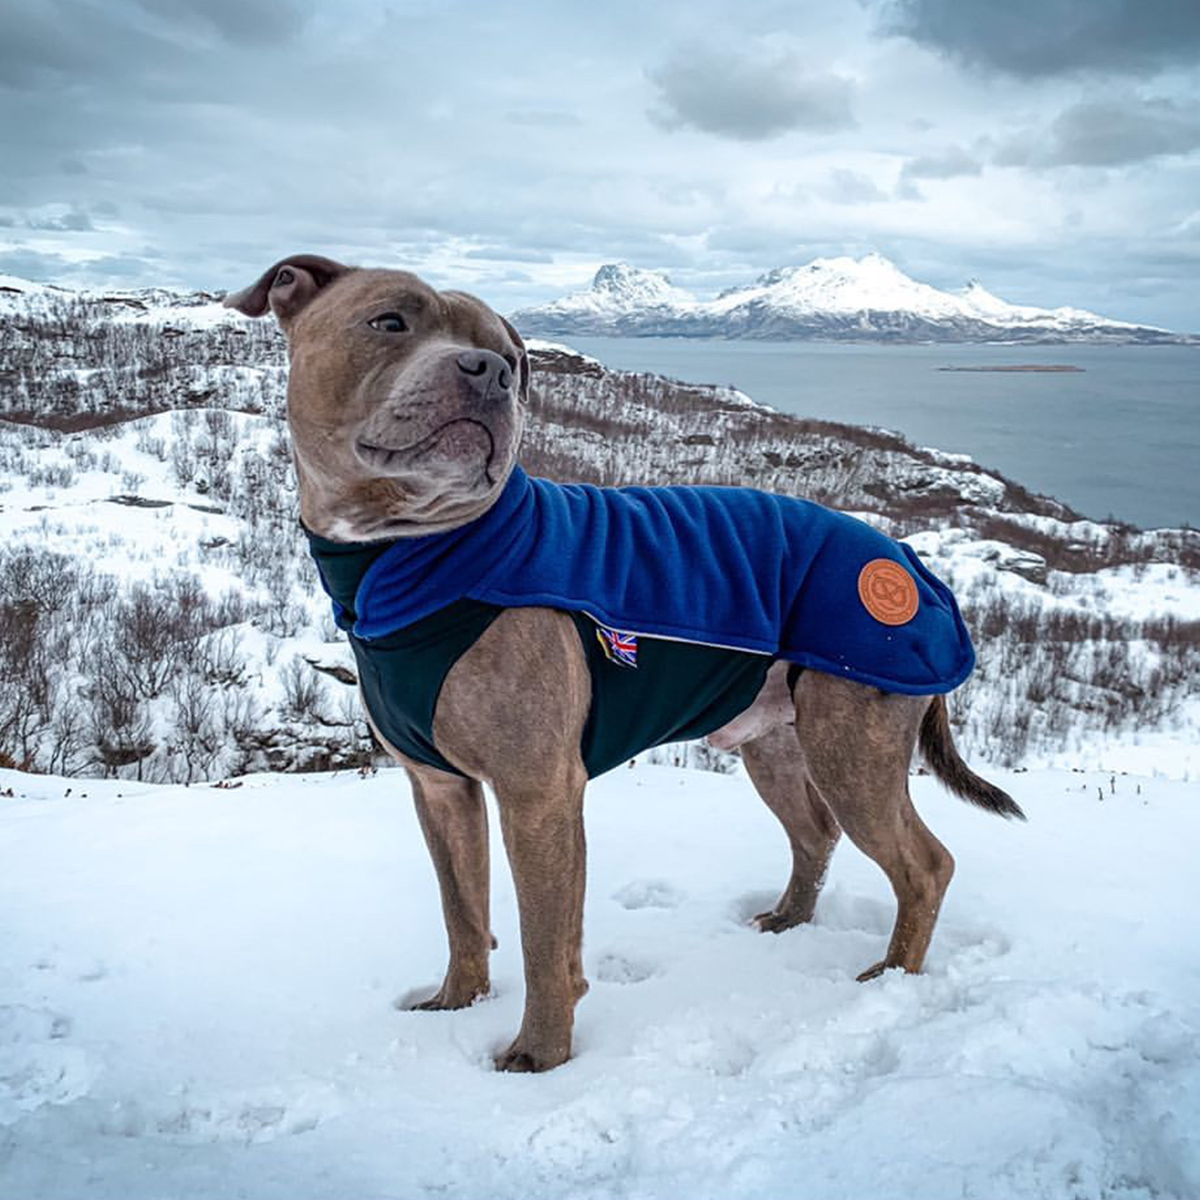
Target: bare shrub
24,681
144,642
219,659
302,692
121,728
198,735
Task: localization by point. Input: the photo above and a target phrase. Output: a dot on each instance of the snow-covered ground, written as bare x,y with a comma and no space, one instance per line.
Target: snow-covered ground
197,986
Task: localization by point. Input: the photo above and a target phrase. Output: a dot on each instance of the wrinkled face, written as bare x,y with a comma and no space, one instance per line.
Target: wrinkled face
405,404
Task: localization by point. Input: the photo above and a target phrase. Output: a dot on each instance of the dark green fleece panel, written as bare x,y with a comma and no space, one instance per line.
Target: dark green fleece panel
677,691
402,674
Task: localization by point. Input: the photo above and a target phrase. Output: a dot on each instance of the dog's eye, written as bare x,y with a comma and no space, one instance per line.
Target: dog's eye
284,276
388,323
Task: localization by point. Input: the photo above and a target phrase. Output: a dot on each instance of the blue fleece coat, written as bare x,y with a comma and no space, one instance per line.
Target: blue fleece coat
728,567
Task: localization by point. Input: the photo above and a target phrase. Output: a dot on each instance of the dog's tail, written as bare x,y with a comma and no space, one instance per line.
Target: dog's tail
938,748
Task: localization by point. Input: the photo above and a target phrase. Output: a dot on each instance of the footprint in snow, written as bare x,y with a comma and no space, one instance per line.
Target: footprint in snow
37,1067
748,906
974,943
249,1120
843,911
648,893
616,968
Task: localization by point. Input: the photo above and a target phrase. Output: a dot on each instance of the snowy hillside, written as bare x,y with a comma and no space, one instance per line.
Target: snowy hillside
197,986
867,299
160,619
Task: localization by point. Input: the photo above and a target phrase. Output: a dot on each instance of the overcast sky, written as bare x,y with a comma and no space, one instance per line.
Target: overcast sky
1049,148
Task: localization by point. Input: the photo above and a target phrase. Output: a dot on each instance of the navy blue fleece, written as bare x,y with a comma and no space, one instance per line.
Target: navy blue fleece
721,566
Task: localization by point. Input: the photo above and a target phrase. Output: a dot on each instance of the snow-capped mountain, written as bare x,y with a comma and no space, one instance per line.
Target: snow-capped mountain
867,299
621,300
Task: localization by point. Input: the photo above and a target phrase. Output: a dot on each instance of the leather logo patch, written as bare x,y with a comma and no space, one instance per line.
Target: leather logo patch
888,592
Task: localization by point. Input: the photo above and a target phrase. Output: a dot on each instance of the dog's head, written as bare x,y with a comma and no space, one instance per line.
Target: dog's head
405,404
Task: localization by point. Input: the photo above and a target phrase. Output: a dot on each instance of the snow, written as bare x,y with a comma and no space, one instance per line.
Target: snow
196,993
81,518
13,287
989,307
541,345
842,285
143,306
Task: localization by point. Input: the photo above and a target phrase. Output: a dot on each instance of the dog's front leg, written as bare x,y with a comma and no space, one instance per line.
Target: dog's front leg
454,820
512,712
542,821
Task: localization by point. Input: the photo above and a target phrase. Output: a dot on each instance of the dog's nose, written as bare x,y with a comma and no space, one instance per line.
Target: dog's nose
485,369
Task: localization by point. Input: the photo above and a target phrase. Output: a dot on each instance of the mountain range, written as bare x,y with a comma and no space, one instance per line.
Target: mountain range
843,299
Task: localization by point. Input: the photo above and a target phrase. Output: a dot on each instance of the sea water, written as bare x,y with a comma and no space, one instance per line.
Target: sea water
1120,437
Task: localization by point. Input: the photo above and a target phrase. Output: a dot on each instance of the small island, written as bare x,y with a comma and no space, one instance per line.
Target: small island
1055,368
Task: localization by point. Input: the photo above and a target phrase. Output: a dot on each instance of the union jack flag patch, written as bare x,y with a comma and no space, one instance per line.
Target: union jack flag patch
619,646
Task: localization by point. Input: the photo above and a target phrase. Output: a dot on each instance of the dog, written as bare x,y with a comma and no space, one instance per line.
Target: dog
406,407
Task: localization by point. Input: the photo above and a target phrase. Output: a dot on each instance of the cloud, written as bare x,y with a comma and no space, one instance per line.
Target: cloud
27,263
1037,38
747,96
240,22
51,41
543,118
43,267
1107,133
118,268
508,254
74,221
851,187
950,163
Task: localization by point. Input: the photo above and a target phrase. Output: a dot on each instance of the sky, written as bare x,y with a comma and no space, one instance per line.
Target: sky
1048,148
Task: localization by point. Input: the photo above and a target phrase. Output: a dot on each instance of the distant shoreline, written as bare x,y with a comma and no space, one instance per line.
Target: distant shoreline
1053,368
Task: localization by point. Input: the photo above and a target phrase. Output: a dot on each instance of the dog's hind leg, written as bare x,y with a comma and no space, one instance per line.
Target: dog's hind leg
858,742
776,766
454,820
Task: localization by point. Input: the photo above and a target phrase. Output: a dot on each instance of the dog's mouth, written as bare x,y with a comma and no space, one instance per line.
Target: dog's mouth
464,442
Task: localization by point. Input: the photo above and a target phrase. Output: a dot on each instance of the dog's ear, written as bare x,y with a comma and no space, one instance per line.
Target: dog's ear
523,354
287,287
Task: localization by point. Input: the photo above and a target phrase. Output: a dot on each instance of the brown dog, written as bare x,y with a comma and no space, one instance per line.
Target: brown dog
406,410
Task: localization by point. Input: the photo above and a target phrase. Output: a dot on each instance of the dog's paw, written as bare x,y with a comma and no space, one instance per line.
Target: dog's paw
442,1003
453,994
777,922
874,972
520,1061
